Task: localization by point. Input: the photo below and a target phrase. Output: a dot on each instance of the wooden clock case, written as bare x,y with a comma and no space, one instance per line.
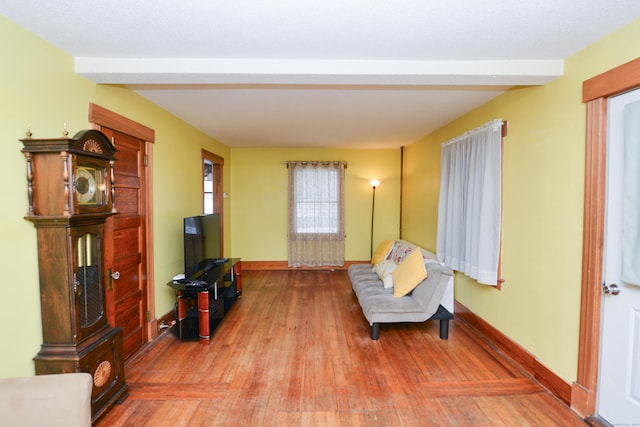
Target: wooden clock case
70,190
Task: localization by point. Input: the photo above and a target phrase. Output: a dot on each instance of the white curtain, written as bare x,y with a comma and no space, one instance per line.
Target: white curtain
316,214
470,203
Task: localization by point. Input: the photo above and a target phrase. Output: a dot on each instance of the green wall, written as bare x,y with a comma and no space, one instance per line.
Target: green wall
259,199
39,89
539,304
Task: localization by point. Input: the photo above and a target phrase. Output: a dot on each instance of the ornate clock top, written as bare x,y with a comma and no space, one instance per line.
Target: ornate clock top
73,176
93,142
92,146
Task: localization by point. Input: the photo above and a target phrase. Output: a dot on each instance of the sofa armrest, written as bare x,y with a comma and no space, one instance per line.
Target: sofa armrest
429,293
46,400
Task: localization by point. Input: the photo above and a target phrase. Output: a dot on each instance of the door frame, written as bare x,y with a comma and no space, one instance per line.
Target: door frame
99,117
595,93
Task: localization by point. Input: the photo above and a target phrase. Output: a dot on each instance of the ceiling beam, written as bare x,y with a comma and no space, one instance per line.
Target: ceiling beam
318,72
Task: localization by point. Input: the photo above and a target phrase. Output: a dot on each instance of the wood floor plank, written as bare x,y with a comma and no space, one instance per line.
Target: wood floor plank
491,387
463,411
427,412
185,392
172,413
295,350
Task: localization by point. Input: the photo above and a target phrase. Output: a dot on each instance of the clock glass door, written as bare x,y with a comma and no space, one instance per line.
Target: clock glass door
88,282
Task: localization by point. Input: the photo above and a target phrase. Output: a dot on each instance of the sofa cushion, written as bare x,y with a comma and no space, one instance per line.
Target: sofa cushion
364,284
381,251
370,289
358,272
387,309
384,270
408,274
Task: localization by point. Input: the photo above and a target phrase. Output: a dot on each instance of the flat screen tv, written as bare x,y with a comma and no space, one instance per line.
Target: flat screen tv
201,245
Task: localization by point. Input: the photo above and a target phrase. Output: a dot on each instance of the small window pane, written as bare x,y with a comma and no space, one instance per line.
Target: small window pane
208,187
208,203
317,201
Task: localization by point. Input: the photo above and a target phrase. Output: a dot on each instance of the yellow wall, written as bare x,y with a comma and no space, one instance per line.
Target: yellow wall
543,205
544,154
259,199
38,88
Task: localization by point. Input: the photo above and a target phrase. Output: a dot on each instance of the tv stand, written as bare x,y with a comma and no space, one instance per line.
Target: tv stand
201,306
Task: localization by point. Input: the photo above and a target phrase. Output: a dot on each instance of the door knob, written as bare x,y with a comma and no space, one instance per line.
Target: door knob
612,289
113,275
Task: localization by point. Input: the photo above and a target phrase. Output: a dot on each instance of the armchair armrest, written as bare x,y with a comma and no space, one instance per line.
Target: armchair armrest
46,400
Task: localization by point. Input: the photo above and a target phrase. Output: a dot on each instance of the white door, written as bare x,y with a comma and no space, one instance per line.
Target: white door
619,379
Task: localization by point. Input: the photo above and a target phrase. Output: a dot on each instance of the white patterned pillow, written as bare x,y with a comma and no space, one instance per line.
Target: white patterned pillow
384,270
399,251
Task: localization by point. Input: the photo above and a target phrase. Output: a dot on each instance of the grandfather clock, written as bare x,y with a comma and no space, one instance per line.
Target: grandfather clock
70,189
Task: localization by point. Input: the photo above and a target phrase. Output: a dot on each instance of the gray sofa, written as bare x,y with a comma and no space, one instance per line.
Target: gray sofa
432,299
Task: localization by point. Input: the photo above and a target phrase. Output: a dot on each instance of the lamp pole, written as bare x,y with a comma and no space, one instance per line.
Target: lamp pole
374,183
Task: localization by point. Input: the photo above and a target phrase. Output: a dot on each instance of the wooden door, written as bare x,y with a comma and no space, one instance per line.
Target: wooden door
125,237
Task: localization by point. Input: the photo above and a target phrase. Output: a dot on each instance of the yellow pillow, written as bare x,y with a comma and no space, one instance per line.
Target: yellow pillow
409,274
381,251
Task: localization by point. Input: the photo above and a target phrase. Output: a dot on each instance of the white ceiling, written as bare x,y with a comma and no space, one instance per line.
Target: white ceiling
320,73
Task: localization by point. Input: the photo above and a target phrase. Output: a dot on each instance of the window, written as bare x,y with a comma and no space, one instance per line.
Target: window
316,213
212,194
208,187
212,188
470,203
317,201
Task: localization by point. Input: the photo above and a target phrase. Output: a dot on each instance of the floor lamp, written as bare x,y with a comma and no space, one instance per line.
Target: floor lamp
374,183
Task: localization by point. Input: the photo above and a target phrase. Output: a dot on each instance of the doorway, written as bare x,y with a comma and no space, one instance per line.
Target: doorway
619,385
596,93
128,248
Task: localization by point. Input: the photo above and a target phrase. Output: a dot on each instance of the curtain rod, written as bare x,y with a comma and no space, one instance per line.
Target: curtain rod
315,162
495,123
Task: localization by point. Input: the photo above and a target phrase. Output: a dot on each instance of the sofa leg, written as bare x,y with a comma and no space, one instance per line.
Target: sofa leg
444,329
375,331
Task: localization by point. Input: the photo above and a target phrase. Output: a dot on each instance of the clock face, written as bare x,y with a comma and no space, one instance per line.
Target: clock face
89,186
85,185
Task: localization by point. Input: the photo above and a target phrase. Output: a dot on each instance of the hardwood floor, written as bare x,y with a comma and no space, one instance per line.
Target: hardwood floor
295,350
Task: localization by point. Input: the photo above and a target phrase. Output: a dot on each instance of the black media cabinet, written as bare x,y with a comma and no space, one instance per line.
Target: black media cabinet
201,307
